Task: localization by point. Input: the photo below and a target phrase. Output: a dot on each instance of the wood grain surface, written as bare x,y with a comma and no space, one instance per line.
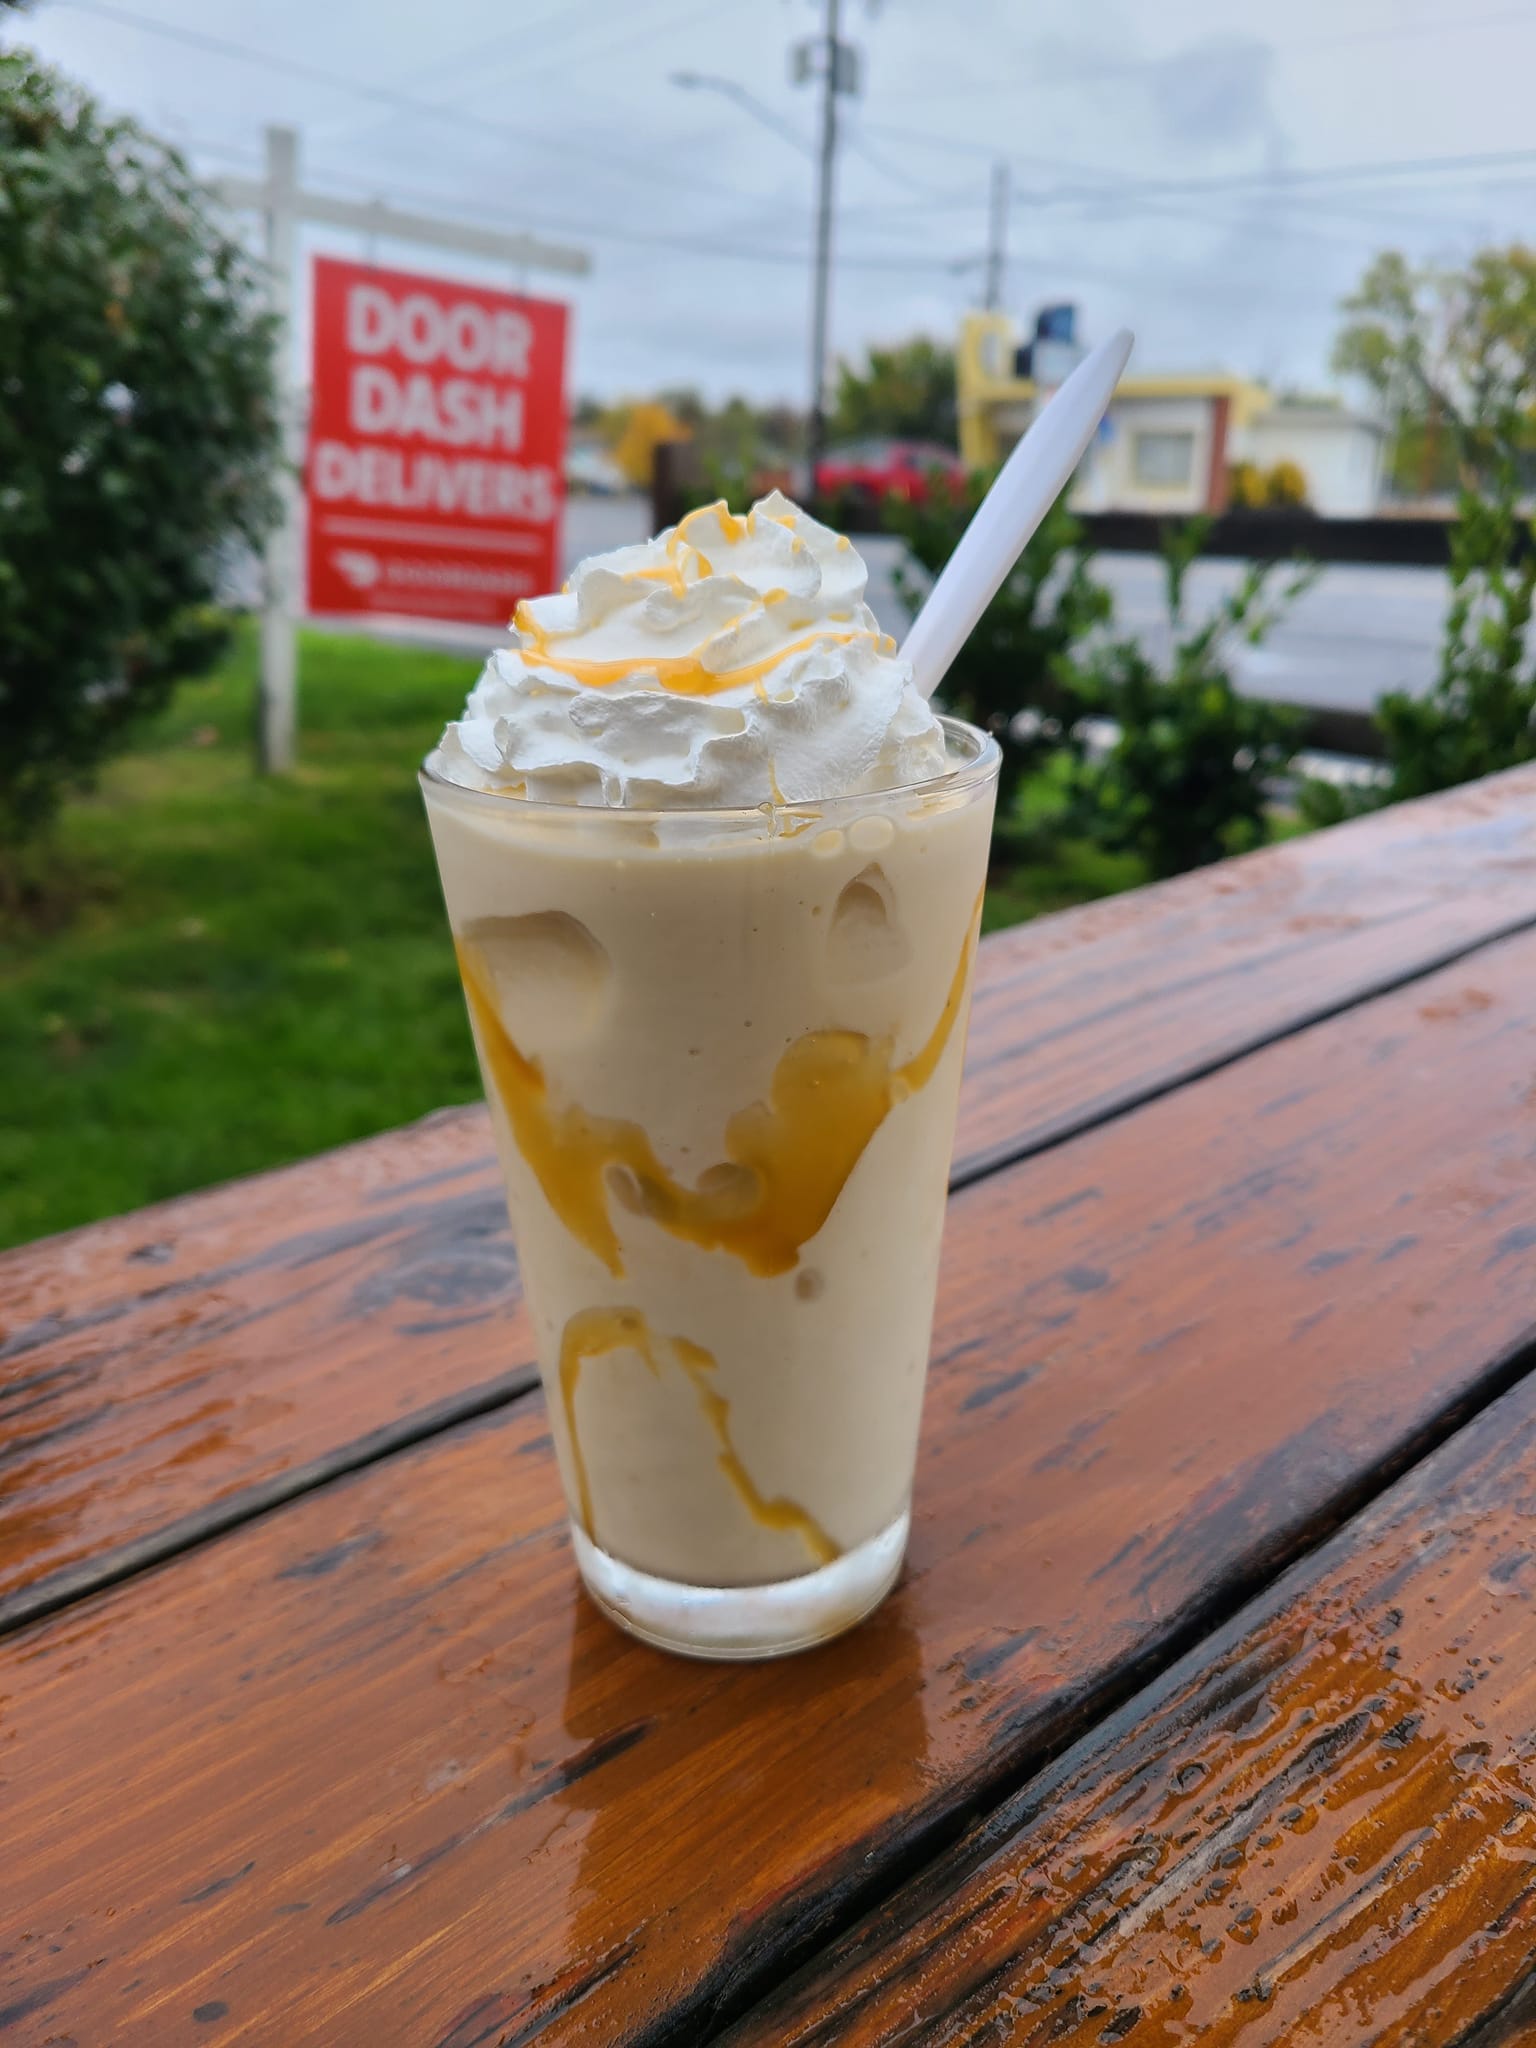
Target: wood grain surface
1085,1014
167,1372
172,1372
369,1768
1320,1827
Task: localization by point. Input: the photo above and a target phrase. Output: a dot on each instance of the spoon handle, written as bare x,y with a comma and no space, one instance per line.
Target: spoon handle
1026,488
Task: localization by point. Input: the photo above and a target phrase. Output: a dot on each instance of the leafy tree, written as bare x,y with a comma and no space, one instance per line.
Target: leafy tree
907,392
1008,676
686,404
1186,779
1452,355
138,429
1480,714
1455,351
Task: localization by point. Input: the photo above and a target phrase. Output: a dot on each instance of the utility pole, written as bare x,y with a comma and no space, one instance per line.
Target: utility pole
836,64
816,437
997,235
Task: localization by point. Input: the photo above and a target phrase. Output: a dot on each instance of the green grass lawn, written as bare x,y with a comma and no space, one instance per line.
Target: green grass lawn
1055,876
257,969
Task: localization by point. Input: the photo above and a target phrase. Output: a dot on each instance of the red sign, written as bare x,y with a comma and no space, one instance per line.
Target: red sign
436,440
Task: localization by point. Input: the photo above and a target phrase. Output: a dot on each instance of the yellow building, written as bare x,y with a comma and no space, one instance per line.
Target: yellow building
1169,443
649,423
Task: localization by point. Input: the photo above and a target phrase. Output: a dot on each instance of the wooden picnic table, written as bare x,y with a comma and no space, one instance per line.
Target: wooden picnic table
1206,1709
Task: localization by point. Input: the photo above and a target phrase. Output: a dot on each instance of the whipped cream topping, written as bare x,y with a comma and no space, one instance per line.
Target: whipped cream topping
729,662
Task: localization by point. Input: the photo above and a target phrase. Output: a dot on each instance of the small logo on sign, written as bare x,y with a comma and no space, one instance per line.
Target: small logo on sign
361,570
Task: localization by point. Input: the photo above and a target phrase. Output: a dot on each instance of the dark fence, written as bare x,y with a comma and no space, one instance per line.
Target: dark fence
1340,732
1386,541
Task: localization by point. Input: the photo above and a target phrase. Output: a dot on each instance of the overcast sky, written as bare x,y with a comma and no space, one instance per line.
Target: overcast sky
1162,156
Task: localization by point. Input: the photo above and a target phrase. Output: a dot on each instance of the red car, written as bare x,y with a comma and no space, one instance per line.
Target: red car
866,472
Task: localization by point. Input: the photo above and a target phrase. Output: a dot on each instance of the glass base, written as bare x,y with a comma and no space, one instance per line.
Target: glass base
745,1621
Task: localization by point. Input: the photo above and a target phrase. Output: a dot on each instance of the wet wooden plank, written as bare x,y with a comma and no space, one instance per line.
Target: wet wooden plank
167,1373
1085,1014
370,1767
169,1370
1320,1826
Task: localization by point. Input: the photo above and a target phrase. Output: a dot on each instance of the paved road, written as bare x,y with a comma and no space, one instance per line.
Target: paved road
1357,633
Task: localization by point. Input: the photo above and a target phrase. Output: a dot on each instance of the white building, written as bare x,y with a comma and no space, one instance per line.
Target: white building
1341,453
1170,443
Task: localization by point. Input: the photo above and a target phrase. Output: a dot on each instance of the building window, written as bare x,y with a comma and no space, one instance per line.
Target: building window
1163,459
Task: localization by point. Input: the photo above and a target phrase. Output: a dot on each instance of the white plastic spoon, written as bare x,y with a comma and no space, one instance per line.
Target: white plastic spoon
1027,486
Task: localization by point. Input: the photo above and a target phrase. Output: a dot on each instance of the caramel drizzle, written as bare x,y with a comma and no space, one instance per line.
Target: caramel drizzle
596,1332
786,1161
683,673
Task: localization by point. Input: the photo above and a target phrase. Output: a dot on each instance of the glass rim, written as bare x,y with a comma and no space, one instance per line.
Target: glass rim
984,757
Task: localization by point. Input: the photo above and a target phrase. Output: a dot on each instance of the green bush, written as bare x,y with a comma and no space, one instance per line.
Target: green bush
1480,716
1286,486
1252,489
1186,779
138,430
1481,713
1009,676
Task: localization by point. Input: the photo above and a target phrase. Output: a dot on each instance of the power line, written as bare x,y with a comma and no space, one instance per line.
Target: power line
1115,203
753,251
775,257
1318,178
760,111
855,140
560,48
958,145
1121,191
1124,188
479,54
693,81
1322,177
379,95
606,231
1304,184
1160,284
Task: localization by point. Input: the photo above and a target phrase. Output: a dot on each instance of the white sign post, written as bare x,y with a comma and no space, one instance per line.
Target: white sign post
283,203
277,689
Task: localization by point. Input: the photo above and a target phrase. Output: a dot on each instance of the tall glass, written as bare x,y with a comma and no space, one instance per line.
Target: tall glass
722,1051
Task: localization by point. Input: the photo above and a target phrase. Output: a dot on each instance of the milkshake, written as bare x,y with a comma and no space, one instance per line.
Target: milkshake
714,872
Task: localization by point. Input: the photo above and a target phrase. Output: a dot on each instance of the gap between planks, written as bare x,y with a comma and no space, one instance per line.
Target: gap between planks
995,1789
188,1532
